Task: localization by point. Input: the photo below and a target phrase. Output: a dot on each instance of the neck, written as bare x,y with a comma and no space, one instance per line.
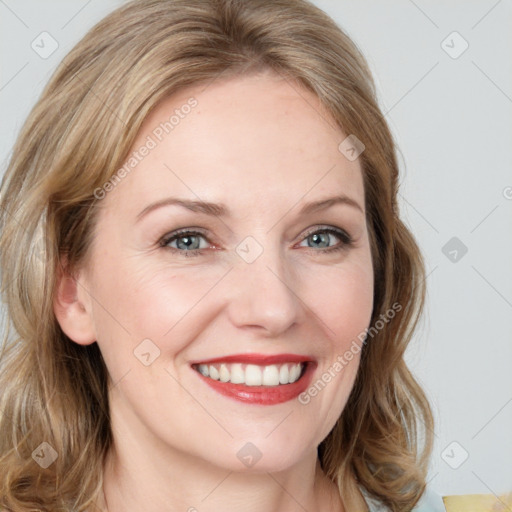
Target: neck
141,471
135,477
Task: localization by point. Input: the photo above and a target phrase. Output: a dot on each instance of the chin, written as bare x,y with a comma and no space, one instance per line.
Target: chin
264,455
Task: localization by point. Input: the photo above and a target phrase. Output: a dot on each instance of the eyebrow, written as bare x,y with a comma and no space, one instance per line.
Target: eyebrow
221,210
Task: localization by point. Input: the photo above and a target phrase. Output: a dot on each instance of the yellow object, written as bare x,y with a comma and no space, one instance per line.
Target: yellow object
478,503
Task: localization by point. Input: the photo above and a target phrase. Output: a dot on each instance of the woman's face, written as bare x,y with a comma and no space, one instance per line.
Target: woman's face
261,291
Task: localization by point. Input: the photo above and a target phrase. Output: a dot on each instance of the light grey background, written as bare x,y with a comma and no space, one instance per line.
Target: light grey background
452,118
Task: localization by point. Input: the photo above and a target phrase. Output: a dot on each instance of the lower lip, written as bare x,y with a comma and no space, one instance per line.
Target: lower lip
262,395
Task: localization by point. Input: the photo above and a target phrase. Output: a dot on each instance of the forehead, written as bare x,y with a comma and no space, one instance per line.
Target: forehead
238,140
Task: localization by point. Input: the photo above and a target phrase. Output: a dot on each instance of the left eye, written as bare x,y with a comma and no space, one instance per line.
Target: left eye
321,238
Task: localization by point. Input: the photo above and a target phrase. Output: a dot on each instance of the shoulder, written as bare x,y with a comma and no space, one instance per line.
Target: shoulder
429,502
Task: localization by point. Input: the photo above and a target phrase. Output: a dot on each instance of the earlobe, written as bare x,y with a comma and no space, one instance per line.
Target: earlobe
72,309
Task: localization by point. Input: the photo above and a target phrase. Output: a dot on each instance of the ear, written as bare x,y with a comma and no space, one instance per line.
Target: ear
72,307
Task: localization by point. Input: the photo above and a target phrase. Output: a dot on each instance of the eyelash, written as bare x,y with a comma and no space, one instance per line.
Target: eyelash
346,240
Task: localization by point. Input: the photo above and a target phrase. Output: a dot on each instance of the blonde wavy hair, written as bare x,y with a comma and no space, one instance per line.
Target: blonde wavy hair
79,134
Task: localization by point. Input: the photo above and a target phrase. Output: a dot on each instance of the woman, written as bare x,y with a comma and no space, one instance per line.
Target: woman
217,290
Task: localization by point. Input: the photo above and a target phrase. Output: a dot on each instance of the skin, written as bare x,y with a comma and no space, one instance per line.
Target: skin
263,148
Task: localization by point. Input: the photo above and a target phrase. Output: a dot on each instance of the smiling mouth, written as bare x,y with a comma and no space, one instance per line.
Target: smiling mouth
271,375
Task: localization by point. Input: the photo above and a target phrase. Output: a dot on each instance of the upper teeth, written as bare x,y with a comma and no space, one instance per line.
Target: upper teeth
251,374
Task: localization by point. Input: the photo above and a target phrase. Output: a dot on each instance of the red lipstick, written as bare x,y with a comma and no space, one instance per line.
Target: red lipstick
260,359
261,395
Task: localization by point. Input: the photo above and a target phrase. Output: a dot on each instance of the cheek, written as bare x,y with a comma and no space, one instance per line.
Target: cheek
136,301
344,310
343,300
355,303
163,299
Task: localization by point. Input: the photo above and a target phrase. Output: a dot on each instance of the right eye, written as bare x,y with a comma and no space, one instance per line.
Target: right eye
187,242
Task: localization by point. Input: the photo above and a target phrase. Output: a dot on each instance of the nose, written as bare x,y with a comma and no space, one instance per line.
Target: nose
263,296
